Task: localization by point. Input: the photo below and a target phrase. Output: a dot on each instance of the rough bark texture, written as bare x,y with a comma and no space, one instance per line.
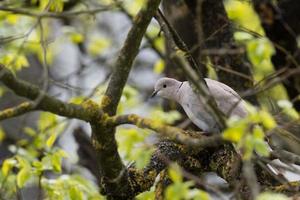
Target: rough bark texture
281,25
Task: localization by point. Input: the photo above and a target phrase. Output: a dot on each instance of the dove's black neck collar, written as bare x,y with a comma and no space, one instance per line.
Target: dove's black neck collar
179,87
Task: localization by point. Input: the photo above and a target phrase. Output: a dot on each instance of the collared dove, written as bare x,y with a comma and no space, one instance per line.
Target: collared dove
227,100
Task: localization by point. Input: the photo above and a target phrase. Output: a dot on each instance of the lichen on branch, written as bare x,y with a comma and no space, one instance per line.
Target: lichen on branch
46,103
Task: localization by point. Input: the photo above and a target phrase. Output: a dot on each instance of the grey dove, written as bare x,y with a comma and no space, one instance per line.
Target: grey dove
227,100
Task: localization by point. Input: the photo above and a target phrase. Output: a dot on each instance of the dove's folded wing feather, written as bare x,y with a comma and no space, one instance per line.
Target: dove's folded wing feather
228,101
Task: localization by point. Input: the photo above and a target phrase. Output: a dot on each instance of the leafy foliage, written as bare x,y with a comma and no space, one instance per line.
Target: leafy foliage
180,189
249,133
37,158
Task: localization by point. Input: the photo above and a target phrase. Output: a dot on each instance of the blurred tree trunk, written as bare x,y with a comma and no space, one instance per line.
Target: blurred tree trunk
204,26
184,22
281,25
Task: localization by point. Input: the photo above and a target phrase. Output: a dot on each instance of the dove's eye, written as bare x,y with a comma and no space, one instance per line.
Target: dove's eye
164,86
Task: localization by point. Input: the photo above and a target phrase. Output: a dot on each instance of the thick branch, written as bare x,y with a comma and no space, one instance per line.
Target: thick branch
196,142
127,55
148,37
291,188
47,103
113,174
53,105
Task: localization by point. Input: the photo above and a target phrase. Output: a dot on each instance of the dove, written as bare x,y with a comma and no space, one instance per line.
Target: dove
227,100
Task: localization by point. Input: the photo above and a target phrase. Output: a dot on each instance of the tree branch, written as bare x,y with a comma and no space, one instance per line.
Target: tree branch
148,37
61,15
16,111
113,174
286,156
195,141
89,112
47,103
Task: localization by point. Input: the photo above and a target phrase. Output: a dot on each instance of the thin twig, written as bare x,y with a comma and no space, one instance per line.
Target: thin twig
61,15
16,111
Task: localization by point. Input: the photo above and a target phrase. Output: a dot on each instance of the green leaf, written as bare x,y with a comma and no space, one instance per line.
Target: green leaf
56,159
77,100
12,18
142,157
288,108
159,66
76,37
2,134
23,176
97,45
148,195
248,147
23,163
14,62
258,133
165,117
38,165
267,119
75,193
175,173
262,148
29,131
47,162
21,61
7,165
236,132
2,91
198,194
51,140
178,190
271,196
46,121
56,162
54,5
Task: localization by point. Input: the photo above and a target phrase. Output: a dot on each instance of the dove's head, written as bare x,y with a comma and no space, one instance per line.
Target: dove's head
167,88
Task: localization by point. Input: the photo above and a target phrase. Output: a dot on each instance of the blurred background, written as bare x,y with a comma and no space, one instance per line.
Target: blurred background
71,56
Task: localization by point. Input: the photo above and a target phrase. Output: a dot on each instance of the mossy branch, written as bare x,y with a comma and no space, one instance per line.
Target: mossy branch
287,188
113,174
16,111
196,142
46,103
127,55
91,112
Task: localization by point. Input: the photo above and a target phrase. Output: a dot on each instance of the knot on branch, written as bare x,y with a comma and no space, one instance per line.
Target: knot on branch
105,101
92,108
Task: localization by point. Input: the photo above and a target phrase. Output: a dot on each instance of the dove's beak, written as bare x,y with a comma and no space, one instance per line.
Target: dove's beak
154,93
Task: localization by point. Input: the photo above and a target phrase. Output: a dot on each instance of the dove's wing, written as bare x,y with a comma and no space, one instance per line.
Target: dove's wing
196,109
228,101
